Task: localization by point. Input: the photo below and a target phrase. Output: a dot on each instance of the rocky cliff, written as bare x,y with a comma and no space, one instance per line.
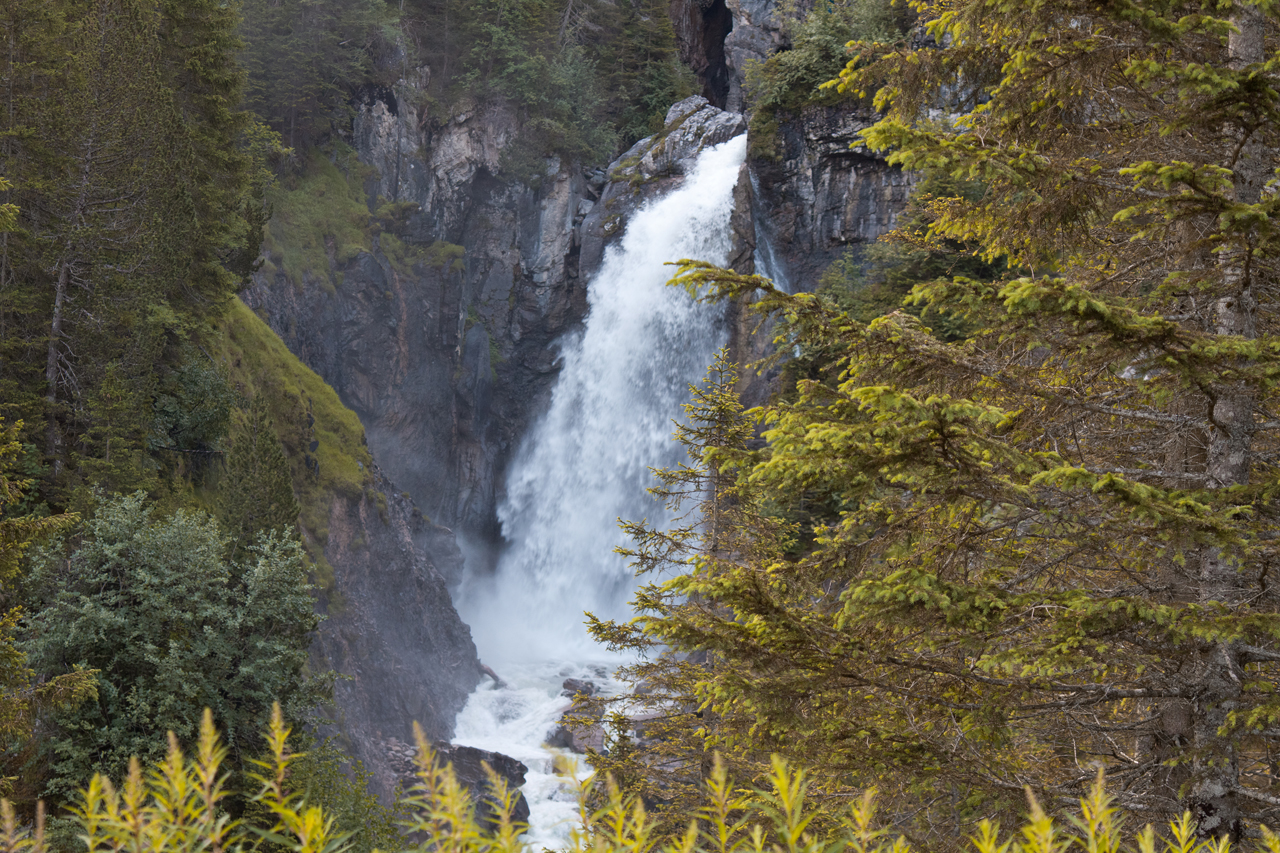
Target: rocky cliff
822,196
390,630
441,335
439,328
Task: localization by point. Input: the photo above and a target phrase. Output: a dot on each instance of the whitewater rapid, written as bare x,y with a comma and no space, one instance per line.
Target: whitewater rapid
585,464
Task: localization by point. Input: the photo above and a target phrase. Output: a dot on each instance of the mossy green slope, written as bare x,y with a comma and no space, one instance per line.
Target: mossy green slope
323,439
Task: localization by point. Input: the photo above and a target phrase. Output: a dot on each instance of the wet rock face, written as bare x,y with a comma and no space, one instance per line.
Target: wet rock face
444,362
650,168
469,766
391,629
701,27
718,39
447,363
757,33
822,196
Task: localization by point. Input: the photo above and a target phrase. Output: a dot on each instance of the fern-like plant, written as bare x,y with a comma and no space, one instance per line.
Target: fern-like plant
176,808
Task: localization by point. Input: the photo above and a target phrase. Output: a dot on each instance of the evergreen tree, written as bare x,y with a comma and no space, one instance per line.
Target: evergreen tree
304,57
718,517
172,627
21,696
122,135
1051,551
199,47
258,492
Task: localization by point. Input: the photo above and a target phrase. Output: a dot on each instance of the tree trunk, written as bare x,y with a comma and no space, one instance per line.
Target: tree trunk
52,445
1213,798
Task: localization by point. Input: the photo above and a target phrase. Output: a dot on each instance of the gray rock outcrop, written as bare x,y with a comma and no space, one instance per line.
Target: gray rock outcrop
651,167
391,630
822,195
443,359
469,765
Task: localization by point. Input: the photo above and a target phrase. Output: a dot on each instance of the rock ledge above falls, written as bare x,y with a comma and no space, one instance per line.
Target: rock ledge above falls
690,126
650,167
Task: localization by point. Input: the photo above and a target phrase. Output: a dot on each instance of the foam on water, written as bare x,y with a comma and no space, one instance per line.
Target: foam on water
516,720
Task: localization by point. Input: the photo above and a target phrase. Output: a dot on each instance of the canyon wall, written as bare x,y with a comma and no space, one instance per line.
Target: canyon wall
447,356
391,631
441,333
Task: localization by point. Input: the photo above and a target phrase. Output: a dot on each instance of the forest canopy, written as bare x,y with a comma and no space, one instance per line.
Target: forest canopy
1041,549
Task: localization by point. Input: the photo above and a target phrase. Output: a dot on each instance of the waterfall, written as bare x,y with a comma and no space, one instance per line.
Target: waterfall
586,462
584,465
768,264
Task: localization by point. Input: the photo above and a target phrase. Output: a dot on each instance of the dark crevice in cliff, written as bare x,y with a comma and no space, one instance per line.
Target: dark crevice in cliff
701,28
717,24
370,93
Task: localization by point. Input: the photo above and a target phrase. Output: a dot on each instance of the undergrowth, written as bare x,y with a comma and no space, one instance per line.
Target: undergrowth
176,807
322,221
321,218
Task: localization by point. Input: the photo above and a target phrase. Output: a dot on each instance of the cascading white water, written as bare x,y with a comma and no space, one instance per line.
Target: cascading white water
584,465
586,462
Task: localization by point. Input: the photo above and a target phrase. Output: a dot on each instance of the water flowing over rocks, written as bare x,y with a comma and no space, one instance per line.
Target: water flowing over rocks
581,726
449,355
651,168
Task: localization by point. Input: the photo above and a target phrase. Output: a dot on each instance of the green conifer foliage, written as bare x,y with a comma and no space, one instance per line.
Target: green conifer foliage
719,517
304,56
21,697
1051,550
172,626
257,491
120,136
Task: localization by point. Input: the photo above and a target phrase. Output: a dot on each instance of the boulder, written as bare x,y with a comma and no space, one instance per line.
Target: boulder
578,687
469,767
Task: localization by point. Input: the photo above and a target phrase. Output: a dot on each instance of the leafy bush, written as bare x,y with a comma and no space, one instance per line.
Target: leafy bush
171,626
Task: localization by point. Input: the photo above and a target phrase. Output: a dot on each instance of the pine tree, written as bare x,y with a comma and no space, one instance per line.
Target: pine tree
1050,549
719,517
258,490
123,137
199,45
303,59
22,697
